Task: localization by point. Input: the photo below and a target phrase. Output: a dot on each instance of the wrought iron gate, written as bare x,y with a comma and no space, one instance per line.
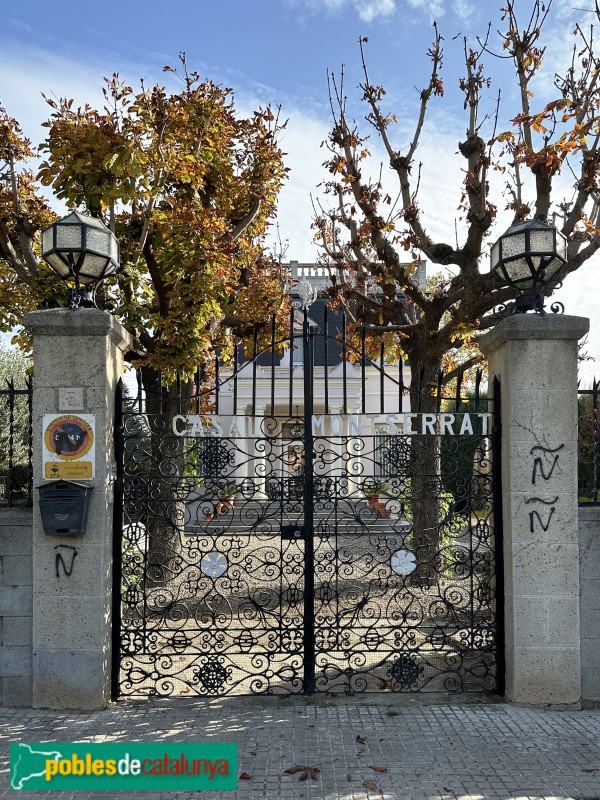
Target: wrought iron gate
308,534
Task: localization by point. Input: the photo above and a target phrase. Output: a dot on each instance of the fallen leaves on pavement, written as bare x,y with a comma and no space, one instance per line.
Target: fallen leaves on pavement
304,770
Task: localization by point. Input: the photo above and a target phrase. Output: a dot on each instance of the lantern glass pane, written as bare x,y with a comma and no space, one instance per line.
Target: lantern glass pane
114,249
93,267
98,240
541,241
47,240
495,254
58,265
68,237
561,246
513,245
552,269
519,271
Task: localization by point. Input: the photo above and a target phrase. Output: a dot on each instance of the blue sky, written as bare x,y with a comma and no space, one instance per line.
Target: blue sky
282,45
278,51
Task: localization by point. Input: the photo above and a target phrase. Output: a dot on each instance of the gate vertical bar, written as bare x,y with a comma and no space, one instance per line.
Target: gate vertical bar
254,354
117,544
344,364
326,358
498,535
309,545
235,380
273,334
382,378
291,375
363,370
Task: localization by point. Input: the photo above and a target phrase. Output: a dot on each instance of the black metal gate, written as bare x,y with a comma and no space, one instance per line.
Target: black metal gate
309,533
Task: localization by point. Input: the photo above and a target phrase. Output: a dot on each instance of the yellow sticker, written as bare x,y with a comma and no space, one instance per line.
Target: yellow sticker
71,470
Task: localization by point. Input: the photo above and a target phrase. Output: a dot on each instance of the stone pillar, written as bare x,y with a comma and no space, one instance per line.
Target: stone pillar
535,358
79,349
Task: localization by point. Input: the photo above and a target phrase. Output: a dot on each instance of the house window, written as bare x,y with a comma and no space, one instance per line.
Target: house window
298,357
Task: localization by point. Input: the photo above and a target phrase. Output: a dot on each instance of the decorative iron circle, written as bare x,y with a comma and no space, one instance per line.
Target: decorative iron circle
403,562
214,564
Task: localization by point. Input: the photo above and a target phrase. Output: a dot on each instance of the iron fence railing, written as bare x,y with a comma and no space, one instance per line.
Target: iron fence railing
16,444
588,467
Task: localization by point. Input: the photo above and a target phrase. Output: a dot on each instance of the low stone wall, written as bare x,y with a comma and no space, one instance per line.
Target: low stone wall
589,571
16,580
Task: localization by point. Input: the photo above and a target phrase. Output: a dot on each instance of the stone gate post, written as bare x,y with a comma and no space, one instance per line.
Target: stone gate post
535,358
78,359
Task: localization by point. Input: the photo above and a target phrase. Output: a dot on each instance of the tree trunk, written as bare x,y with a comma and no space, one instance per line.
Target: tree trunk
426,483
166,488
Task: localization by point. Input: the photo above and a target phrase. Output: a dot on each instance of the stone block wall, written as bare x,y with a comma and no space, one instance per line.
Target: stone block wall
589,571
16,580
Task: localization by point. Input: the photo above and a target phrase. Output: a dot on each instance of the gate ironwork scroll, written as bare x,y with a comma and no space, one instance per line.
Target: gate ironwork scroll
308,534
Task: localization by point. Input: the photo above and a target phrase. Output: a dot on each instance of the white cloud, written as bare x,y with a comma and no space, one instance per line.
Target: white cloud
367,10
23,81
434,8
371,9
301,141
565,9
19,25
464,10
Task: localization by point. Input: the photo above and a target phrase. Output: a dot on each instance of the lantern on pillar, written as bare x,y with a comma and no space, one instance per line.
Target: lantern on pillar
528,257
82,249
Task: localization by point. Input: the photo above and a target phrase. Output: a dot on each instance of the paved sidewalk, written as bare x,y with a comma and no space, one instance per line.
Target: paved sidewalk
430,747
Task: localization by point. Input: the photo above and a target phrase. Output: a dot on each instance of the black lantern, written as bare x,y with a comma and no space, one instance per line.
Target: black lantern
528,257
82,249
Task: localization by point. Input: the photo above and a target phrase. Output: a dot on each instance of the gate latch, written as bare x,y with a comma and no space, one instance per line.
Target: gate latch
292,532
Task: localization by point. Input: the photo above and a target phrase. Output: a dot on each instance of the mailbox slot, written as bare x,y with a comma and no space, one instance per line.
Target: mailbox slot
64,507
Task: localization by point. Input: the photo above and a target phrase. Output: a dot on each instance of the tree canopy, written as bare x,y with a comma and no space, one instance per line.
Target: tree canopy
188,187
371,240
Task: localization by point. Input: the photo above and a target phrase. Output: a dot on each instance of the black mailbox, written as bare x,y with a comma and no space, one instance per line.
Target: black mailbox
64,507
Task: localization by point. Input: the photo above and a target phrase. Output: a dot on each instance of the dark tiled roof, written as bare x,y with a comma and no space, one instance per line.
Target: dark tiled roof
316,319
